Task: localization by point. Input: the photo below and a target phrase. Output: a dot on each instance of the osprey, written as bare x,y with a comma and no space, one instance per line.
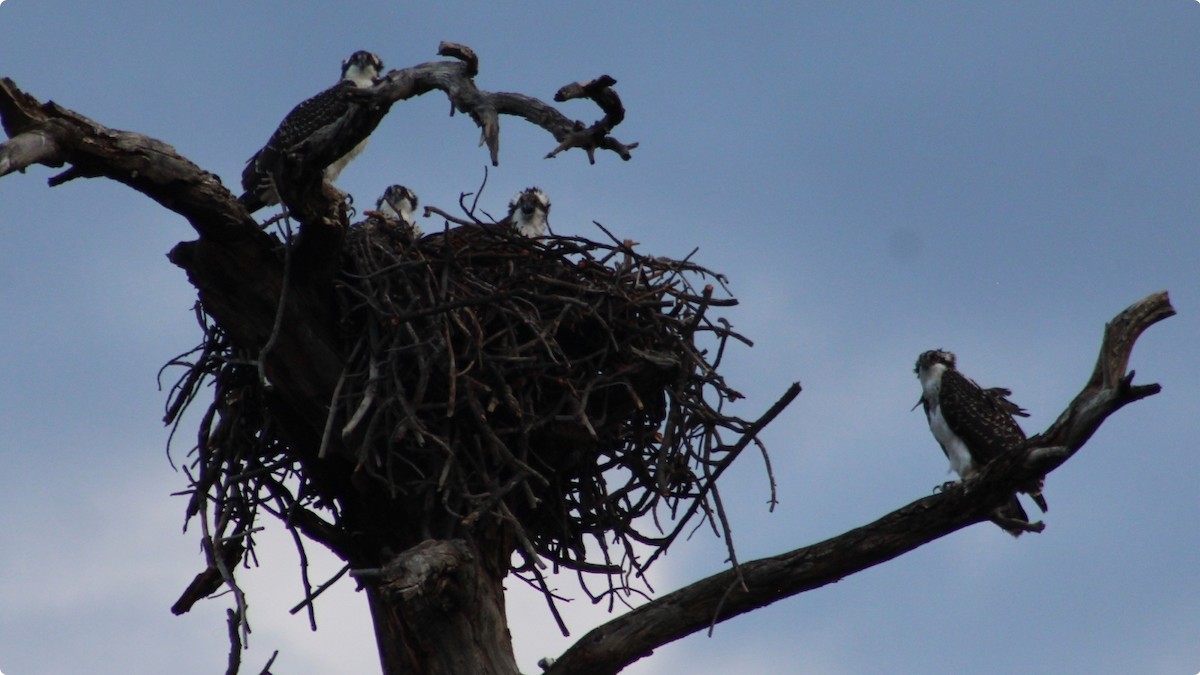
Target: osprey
361,70
397,206
974,426
527,213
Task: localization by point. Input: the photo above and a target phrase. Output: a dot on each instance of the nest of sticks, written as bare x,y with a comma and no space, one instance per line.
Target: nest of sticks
555,383
562,391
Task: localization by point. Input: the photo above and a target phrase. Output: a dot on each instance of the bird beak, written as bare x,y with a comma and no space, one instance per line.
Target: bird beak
915,405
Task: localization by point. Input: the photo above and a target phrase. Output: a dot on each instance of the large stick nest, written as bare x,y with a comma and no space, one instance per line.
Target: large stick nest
544,394
555,384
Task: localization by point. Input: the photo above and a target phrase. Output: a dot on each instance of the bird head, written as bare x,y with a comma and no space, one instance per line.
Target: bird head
398,203
930,366
362,68
528,212
934,357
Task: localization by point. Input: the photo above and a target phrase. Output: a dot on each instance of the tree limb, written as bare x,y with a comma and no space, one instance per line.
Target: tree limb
1109,383
52,135
29,148
620,642
456,79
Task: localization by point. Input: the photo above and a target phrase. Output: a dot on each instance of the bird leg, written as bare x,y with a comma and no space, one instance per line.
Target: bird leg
1011,524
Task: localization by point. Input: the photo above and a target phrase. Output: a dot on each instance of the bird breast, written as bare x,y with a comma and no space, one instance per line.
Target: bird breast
334,170
954,447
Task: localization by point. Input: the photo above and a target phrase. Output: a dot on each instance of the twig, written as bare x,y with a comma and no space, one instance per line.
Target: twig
279,309
310,597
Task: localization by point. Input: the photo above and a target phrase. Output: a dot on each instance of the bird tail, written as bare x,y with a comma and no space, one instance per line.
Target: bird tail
257,183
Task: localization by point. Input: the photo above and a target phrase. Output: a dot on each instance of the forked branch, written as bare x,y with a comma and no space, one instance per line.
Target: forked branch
456,79
618,643
52,135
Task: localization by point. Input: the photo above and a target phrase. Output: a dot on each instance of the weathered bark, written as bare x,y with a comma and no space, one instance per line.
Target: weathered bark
438,609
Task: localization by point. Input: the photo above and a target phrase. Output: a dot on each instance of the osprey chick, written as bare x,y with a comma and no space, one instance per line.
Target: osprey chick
974,426
527,213
361,70
397,206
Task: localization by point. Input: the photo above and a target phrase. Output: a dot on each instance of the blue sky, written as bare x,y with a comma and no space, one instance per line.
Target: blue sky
877,179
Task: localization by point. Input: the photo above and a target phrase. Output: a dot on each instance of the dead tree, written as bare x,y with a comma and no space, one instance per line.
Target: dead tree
428,409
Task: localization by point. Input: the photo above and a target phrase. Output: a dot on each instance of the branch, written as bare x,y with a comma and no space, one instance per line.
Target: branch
51,135
299,171
596,136
456,79
1109,387
29,148
620,642
235,266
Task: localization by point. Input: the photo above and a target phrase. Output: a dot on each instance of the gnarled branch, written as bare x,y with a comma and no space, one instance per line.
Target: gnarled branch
52,135
456,79
29,148
616,644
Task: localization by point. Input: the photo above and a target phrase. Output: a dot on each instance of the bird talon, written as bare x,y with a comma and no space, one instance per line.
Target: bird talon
944,487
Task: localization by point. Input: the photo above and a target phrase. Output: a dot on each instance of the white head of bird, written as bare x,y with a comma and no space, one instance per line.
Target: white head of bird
528,212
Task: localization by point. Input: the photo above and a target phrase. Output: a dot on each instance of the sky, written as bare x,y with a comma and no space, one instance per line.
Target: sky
876,178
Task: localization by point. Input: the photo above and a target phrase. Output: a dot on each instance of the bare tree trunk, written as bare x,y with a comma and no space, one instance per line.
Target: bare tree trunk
439,610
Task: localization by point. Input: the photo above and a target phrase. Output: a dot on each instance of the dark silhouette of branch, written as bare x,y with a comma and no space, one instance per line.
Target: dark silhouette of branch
618,643
143,163
210,580
52,135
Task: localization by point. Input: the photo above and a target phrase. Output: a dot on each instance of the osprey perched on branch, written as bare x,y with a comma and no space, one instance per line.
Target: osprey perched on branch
362,69
974,426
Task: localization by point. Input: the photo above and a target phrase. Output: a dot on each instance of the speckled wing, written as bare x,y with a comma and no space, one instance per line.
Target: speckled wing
303,121
986,425
981,418
1000,396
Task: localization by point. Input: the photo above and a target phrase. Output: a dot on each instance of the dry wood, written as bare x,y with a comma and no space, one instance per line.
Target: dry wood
616,644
